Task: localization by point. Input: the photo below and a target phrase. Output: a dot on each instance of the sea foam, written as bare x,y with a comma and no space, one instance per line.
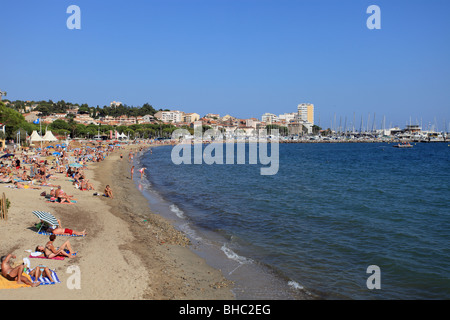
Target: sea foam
177,211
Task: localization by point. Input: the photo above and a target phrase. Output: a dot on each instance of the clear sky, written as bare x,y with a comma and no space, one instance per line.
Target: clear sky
237,57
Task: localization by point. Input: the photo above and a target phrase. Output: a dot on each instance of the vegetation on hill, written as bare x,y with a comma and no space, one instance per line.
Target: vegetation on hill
14,121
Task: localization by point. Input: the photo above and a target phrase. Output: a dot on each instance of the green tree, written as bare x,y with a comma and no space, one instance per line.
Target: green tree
11,119
59,124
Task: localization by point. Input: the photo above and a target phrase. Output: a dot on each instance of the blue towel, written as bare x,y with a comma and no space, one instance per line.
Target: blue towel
45,280
63,235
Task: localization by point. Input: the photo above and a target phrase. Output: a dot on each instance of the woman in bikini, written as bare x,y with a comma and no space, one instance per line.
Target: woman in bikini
51,252
41,270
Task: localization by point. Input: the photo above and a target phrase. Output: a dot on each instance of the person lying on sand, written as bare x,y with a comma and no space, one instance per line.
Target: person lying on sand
14,274
5,179
50,251
59,230
25,186
41,270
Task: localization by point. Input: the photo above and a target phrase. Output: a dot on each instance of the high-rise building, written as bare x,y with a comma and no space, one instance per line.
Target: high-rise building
306,112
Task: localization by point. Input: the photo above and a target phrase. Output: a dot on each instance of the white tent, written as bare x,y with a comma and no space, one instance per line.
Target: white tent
35,137
121,136
49,136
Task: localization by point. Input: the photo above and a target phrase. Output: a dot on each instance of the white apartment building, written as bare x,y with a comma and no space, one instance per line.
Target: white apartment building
288,117
173,116
269,118
115,104
252,122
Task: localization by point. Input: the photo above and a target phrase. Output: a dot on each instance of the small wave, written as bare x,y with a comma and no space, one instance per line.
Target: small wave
295,285
234,256
177,211
190,233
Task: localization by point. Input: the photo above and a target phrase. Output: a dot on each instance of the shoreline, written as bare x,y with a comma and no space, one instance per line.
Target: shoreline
252,279
175,269
127,247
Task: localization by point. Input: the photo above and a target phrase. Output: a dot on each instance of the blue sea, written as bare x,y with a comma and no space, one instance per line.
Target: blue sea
313,229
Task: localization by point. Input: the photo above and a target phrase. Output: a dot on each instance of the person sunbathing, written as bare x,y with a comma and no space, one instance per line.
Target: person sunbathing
5,179
25,186
41,270
14,274
62,196
59,230
86,185
47,184
24,176
50,251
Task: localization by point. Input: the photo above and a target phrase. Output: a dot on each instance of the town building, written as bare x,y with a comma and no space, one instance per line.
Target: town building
306,112
172,116
269,118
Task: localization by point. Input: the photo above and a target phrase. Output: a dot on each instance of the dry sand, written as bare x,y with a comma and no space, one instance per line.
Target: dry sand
129,252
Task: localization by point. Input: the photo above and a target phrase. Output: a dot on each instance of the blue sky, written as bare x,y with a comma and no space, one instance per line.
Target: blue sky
238,57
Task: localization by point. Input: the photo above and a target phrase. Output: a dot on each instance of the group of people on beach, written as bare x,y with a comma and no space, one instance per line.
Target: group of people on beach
40,173
14,173
49,251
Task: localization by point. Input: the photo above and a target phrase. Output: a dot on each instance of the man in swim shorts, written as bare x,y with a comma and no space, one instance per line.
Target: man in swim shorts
59,230
14,274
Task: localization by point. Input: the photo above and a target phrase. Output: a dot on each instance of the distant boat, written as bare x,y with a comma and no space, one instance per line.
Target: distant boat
403,145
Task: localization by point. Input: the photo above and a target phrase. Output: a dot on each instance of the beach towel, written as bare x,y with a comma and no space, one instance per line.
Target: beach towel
7,284
63,235
54,200
40,255
44,257
45,280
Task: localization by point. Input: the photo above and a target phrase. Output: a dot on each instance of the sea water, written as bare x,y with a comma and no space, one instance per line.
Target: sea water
313,229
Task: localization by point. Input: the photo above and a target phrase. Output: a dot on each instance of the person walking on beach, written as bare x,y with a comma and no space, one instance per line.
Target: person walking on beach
132,172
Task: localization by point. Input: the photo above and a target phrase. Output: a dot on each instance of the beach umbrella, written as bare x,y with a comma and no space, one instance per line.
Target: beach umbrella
76,165
56,153
46,217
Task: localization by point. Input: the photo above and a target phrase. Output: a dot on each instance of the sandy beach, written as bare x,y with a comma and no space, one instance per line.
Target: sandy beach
128,253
